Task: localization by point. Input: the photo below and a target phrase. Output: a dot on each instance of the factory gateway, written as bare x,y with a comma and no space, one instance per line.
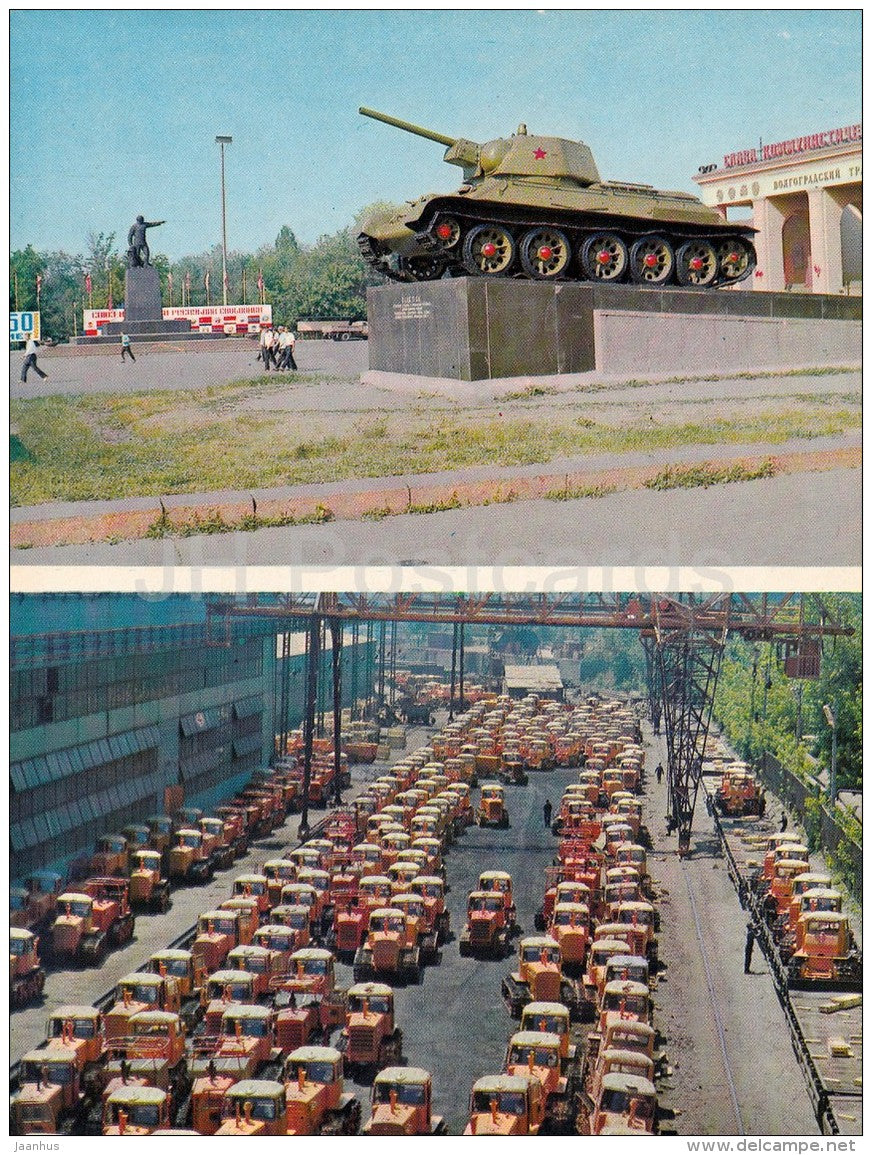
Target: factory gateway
804,197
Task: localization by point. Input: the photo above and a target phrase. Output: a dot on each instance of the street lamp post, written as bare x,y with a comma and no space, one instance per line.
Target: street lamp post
222,140
831,715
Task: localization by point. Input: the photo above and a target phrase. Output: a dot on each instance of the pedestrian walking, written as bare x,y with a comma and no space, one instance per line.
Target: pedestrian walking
30,360
126,350
286,341
750,935
267,347
783,821
659,771
547,811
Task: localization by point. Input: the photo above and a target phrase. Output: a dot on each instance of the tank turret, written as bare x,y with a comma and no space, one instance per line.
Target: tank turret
535,206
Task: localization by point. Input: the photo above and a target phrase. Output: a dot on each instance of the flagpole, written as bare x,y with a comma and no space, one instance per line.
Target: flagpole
15,281
243,285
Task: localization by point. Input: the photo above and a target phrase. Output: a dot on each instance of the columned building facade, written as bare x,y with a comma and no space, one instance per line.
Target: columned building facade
804,198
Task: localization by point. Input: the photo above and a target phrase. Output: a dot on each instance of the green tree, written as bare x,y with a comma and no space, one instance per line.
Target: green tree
25,265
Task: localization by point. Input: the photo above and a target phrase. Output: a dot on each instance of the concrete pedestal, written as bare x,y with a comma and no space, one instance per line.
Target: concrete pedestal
142,295
475,328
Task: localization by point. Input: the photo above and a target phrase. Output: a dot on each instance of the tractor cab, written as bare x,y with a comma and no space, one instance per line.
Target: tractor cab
625,1101
506,1105
254,1107
402,1104
217,934
551,1018
537,1053
79,1028
132,1110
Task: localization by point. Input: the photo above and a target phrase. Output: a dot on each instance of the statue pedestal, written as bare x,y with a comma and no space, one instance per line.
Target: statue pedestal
143,315
142,294
475,328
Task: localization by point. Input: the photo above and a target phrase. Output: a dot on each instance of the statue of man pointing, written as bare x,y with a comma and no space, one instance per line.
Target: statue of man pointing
137,250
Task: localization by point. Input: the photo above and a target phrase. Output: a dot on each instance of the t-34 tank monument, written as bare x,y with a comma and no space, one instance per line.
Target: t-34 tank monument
534,206
535,266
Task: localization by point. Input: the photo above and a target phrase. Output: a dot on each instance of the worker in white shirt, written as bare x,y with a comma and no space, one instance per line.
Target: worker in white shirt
287,341
30,359
267,347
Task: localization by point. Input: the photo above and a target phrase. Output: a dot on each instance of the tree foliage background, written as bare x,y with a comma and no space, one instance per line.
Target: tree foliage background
324,281
761,709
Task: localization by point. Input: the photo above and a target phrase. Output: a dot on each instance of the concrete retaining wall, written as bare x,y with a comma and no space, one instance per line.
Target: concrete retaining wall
631,342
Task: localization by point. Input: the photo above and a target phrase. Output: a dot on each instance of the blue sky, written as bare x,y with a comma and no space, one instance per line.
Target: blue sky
115,112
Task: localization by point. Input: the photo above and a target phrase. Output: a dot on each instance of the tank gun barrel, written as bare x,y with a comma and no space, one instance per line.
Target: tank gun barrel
439,137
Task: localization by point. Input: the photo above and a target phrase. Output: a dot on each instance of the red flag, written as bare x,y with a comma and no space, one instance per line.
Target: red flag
260,280
110,304
188,281
88,286
206,282
38,281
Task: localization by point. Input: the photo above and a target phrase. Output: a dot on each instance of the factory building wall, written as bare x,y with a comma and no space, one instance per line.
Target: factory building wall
97,740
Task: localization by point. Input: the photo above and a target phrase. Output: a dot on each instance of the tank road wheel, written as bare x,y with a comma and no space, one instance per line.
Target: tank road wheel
652,261
489,250
545,253
446,232
736,260
429,268
604,257
696,263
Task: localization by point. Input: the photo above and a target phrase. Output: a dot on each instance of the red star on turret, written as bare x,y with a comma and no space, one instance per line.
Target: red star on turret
540,154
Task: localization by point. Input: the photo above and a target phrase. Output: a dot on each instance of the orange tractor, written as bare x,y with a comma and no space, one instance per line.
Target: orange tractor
626,1105
739,793
26,975
402,1104
538,1053
390,948
50,1090
218,931
148,887
191,857
371,1037
212,1079
316,1101
487,930
92,921
140,991
492,806
136,1110
538,977
254,1107
506,1105
826,955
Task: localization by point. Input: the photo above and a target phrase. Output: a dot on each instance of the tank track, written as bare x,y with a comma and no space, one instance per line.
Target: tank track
634,254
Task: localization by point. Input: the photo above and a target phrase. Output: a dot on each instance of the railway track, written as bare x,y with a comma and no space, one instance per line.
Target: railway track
826,1036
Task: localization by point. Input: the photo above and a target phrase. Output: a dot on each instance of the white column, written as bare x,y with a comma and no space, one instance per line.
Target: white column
768,220
824,219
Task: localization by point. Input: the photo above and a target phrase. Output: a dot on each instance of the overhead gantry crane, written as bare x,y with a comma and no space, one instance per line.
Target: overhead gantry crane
683,635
